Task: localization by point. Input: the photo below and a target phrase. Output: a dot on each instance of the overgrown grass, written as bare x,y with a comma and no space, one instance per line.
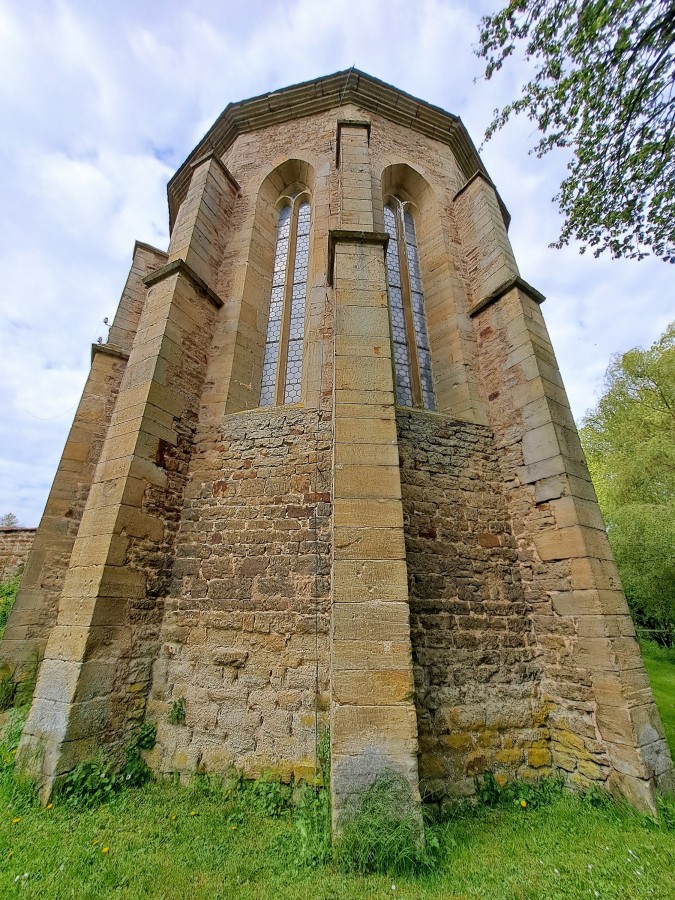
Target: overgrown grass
235,839
232,839
383,833
8,590
660,665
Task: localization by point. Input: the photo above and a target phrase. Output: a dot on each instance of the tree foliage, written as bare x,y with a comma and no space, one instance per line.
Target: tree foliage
9,520
603,86
629,439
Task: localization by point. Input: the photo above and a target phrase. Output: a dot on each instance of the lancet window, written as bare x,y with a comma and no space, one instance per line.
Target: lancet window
282,365
410,340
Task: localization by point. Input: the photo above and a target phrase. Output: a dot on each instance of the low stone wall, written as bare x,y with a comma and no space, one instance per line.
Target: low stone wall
245,633
15,545
477,678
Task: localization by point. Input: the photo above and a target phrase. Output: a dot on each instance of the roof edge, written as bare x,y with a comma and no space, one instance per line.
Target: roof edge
320,95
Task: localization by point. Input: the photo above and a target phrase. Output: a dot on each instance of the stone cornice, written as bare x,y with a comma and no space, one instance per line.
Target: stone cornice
109,350
347,236
181,267
141,245
320,95
502,290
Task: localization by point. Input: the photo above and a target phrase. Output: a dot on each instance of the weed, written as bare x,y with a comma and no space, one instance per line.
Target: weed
98,780
7,688
8,591
383,832
311,817
520,793
488,791
177,712
268,796
146,737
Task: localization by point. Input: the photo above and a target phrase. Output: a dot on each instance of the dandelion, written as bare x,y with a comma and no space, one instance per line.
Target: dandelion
194,812
173,818
233,827
49,806
104,849
523,803
16,820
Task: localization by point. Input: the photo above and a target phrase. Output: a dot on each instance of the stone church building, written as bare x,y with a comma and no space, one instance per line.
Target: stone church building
324,474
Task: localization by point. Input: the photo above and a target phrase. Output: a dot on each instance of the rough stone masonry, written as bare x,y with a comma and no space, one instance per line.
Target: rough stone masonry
324,475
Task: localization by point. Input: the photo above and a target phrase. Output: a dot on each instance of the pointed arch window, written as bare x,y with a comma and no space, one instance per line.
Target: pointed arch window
282,365
410,339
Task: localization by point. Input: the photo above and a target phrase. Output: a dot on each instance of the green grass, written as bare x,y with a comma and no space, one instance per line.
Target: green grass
166,841
205,841
8,591
660,666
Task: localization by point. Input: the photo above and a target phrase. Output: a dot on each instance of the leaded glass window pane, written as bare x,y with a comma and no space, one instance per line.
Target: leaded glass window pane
400,226
398,327
288,325
298,295
418,314
271,360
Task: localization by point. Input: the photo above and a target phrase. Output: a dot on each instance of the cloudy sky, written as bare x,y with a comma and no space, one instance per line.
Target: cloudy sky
101,102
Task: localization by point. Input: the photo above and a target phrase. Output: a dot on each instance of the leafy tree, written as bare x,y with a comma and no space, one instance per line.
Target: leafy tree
9,520
603,86
629,439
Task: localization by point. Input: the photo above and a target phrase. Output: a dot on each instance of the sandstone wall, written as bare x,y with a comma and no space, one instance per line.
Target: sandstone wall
15,545
475,658
248,617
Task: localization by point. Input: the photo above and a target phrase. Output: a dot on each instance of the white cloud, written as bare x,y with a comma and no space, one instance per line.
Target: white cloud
101,102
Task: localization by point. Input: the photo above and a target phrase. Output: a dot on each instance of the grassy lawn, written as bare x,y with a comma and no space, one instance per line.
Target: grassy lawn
660,666
205,841
169,841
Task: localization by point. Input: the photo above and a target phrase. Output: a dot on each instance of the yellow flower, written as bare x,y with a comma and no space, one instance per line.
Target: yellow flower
194,812
104,849
233,827
16,820
49,806
173,818
523,803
